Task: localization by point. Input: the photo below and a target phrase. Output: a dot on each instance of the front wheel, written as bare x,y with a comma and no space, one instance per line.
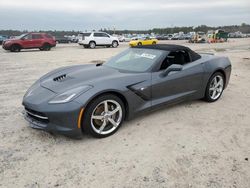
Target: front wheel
104,116
114,44
153,43
139,44
15,48
92,44
215,87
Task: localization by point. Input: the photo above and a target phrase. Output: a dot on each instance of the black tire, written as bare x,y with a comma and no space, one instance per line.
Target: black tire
153,43
139,44
46,47
114,44
86,123
92,44
15,48
208,97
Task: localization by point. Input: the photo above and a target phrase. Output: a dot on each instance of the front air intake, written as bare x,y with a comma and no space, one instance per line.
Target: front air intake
60,78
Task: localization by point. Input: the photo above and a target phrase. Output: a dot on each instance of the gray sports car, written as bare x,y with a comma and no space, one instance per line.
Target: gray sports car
97,98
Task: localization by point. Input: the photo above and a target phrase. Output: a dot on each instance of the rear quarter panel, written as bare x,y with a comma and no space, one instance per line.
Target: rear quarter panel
216,63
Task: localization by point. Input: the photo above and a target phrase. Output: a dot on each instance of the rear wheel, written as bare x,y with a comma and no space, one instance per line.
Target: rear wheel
153,43
215,87
45,47
139,44
104,116
15,48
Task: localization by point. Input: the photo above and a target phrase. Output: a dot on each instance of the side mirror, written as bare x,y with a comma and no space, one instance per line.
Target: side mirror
171,68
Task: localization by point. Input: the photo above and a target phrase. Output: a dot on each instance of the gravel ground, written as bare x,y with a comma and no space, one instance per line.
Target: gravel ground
194,144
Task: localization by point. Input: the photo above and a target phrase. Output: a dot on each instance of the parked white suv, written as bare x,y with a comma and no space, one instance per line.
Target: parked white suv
93,39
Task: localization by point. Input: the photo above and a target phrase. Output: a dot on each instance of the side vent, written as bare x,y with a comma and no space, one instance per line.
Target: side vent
60,78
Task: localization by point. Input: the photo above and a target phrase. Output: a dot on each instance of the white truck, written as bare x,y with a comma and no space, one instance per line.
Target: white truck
93,39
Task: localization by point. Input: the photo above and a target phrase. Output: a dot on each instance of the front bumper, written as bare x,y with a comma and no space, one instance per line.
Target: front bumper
49,127
132,44
6,46
57,118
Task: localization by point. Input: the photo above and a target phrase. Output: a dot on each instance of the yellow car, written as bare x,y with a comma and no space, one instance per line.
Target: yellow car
143,41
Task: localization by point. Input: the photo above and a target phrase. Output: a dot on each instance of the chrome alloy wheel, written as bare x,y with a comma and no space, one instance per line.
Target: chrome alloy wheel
216,87
92,45
106,117
114,44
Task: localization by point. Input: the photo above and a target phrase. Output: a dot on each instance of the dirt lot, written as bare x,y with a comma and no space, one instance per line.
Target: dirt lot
194,144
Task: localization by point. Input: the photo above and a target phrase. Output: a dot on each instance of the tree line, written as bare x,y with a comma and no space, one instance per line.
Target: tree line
244,28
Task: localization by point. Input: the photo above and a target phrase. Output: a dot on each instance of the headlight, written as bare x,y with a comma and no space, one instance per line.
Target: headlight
69,95
6,42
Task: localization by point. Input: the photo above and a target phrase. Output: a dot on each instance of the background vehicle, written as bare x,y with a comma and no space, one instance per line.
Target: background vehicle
170,36
142,41
199,37
162,37
93,39
96,98
218,36
3,38
42,41
124,38
72,38
62,40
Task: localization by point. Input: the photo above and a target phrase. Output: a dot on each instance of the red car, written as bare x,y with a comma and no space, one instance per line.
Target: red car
42,41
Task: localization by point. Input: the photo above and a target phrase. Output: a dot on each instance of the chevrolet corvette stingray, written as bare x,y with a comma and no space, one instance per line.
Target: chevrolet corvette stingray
142,41
97,98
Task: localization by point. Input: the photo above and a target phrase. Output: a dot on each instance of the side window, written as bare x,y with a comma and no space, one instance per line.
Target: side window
100,35
27,37
177,57
97,34
105,35
36,36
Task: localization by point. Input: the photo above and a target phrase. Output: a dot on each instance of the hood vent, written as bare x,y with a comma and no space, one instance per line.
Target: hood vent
60,78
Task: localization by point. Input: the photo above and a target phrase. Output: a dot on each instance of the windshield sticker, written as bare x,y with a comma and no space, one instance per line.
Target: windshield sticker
149,56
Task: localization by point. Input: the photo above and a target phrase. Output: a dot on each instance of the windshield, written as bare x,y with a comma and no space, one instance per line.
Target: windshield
21,36
135,59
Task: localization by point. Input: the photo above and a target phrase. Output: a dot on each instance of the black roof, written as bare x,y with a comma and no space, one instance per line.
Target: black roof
167,47
171,48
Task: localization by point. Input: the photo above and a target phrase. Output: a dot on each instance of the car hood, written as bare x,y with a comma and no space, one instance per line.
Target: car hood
12,40
64,79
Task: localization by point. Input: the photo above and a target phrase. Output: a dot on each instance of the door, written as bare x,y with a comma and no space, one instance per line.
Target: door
146,41
102,38
27,41
37,40
106,38
178,85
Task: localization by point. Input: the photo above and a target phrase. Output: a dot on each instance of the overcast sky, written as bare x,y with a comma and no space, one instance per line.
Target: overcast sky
121,14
